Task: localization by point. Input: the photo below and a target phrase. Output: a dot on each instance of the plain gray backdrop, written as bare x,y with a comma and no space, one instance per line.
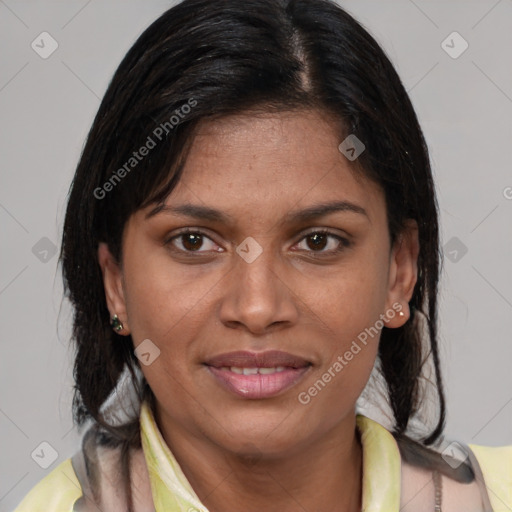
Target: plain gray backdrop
463,97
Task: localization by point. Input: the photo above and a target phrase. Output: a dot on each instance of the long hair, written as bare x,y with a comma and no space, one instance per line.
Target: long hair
212,58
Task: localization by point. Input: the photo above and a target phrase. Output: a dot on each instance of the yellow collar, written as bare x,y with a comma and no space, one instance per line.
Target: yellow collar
172,491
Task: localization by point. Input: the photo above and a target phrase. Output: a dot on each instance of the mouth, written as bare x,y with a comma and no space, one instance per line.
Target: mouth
257,375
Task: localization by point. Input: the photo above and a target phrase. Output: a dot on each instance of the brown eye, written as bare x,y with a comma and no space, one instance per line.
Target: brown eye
193,241
317,241
323,242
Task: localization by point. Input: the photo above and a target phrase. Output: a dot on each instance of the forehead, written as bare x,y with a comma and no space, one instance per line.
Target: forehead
272,162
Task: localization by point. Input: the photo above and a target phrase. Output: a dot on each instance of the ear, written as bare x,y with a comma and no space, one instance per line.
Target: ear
113,284
403,273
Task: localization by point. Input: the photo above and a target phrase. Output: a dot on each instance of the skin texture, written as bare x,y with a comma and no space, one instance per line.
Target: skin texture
306,299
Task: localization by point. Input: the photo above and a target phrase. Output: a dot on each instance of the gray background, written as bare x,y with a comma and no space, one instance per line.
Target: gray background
47,106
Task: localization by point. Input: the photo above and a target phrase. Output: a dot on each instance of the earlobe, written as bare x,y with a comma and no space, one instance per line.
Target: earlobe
403,272
113,285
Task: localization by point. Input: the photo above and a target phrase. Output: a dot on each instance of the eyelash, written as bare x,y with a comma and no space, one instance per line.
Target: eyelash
343,242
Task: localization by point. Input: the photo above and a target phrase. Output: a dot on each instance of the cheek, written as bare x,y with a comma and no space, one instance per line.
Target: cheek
166,305
348,309
350,297
164,299
348,328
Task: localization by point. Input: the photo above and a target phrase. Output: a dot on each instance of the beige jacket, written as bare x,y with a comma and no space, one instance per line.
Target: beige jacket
395,478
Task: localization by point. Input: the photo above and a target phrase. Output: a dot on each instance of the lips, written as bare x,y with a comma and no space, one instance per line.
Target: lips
268,359
257,375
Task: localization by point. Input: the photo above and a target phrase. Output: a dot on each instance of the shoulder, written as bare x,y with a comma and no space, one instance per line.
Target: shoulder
108,474
489,488
56,492
418,492
94,484
496,473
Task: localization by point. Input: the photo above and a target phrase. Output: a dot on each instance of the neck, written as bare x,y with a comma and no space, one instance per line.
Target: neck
325,474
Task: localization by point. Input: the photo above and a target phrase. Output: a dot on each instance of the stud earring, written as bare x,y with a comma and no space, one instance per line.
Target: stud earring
116,324
401,313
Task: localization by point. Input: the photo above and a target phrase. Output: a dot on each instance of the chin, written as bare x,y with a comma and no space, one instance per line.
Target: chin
261,434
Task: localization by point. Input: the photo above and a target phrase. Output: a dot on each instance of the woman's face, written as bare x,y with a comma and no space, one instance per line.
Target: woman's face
256,274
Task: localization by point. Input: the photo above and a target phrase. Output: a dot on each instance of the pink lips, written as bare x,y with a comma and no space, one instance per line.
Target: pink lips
290,368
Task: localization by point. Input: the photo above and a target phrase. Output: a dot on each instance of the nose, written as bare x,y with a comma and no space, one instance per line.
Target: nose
256,296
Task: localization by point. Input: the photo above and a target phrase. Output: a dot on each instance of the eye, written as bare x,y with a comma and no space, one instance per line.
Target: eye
323,242
192,241
320,241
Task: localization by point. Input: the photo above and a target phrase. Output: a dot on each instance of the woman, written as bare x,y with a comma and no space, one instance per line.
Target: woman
251,240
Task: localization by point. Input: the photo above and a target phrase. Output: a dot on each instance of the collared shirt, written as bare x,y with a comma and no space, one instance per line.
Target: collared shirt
171,491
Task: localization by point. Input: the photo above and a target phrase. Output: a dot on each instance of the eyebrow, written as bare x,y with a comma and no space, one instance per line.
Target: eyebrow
211,214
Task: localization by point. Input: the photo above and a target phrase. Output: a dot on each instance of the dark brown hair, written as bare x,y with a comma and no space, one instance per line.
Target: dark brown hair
225,57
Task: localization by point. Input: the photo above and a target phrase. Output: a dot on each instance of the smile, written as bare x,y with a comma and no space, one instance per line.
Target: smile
253,371
257,382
